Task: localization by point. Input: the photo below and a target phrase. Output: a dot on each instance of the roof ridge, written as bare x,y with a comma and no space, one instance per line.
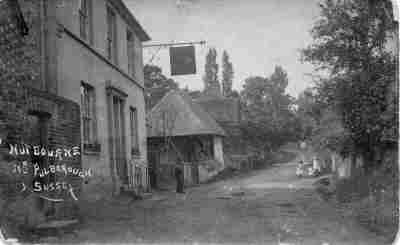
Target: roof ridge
200,109
208,124
159,103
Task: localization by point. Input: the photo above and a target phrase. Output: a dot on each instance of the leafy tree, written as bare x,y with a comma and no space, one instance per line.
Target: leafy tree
210,77
279,79
350,44
321,125
276,96
268,120
234,94
227,74
156,85
307,112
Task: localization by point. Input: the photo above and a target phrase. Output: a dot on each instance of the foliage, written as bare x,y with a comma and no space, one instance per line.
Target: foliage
210,78
269,121
234,94
227,74
156,85
350,44
308,112
320,124
350,35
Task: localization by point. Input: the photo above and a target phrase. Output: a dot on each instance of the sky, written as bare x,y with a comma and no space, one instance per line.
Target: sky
257,34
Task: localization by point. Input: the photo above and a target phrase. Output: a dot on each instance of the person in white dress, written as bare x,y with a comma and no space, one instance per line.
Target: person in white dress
316,165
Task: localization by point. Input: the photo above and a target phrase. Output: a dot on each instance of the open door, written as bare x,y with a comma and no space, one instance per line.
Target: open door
153,157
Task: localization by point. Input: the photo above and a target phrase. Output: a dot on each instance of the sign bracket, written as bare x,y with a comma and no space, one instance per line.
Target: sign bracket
166,45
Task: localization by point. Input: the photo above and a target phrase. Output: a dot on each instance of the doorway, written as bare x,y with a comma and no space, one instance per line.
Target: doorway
38,136
119,168
154,159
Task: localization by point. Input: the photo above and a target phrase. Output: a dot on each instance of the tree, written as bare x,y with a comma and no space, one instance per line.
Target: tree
156,85
321,125
210,77
279,101
350,44
227,74
279,79
268,121
307,112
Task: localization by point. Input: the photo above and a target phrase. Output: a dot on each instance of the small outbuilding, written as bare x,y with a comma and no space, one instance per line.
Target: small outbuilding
179,128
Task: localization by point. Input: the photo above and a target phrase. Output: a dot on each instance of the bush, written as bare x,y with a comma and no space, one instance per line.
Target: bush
372,199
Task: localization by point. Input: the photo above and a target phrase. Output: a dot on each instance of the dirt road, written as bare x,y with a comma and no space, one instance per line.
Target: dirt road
269,206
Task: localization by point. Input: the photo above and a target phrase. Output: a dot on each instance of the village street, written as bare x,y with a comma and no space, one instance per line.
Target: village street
263,207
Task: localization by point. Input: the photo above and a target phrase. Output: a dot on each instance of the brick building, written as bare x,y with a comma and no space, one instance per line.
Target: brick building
32,111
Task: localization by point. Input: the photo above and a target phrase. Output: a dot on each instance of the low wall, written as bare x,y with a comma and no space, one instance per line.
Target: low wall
240,162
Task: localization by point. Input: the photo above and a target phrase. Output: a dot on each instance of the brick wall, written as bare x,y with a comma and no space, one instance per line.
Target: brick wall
23,94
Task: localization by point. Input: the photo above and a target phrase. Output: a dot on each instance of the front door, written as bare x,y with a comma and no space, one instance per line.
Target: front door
119,170
119,140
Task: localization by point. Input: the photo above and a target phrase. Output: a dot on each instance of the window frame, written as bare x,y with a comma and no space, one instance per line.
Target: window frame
88,114
134,130
85,20
131,52
111,35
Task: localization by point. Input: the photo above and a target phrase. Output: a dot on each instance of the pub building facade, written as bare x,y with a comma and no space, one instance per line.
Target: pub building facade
64,85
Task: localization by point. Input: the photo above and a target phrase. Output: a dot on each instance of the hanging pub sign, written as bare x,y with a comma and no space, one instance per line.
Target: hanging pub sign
182,59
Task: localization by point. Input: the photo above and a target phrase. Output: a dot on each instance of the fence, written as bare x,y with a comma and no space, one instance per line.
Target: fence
139,179
242,162
191,173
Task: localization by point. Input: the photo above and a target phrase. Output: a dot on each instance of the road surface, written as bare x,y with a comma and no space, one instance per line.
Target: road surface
270,206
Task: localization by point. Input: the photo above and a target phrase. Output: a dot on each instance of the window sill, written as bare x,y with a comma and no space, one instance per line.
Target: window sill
92,148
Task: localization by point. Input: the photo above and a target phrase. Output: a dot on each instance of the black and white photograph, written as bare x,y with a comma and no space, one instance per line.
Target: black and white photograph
199,122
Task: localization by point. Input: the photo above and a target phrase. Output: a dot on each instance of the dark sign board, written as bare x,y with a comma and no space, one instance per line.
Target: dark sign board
183,61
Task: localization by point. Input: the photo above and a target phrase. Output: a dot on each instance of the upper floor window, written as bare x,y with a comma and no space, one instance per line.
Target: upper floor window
88,112
85,26
111,35
130,41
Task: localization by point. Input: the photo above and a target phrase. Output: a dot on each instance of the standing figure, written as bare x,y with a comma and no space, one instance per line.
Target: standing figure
316,166
300,169
179,176
303,150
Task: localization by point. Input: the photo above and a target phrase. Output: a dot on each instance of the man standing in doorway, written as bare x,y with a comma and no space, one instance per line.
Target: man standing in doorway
179,176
